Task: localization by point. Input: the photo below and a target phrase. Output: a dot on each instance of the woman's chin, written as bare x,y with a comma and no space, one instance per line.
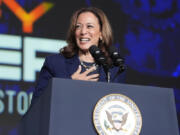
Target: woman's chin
84,50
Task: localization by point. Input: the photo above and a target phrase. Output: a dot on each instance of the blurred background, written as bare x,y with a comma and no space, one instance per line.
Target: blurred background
146,33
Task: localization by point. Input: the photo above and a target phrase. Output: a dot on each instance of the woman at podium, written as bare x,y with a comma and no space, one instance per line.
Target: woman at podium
89,28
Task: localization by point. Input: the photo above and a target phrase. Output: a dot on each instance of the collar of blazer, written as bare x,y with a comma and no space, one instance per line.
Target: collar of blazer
74,62
71,64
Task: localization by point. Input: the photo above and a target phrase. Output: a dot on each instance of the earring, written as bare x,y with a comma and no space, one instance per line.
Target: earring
100,38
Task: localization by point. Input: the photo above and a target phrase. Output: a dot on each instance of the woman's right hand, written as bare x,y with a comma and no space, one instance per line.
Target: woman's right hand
84,76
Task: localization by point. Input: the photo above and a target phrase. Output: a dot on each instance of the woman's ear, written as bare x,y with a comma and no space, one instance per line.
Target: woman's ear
101,39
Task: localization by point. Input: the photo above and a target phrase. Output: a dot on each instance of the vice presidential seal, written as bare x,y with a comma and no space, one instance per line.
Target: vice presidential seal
116,114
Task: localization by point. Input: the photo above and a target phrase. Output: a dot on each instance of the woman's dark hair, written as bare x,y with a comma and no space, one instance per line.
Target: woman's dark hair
71,49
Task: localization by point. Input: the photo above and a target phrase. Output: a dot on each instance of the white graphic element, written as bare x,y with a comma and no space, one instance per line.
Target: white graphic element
116,114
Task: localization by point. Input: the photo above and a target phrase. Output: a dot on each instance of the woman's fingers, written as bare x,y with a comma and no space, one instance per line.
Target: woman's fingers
77,75
93,76
90,70
94,80
78,70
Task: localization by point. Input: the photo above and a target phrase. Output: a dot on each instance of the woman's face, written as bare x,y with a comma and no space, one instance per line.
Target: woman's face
87,31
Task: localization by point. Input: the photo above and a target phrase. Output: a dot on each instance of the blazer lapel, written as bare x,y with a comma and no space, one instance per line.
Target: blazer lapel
72,64
102,75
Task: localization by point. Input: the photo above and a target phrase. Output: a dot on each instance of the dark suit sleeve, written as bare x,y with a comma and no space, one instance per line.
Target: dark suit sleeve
118,77
45,75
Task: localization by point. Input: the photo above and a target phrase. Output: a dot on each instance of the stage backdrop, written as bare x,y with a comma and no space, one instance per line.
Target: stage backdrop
146,32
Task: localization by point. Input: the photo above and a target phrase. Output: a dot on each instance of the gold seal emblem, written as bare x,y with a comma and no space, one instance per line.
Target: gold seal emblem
116,114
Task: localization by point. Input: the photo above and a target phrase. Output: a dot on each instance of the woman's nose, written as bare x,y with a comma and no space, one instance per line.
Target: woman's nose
83,30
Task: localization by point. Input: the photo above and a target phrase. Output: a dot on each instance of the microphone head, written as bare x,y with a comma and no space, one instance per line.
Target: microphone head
119,61
98,55
95,51
93,48
116,58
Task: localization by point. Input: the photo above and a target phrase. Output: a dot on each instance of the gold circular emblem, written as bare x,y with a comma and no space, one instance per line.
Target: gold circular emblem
116,114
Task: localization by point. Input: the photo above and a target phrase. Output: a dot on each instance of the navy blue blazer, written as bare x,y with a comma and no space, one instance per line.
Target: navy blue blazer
59,66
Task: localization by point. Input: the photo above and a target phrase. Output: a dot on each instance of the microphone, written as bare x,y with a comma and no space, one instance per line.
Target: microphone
100,59
118,61
115,56
98,55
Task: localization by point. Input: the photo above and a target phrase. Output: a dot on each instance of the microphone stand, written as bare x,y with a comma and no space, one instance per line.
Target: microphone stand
108,77
106,70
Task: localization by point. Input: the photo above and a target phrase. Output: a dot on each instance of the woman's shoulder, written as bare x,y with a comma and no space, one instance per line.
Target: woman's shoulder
55,57
58,57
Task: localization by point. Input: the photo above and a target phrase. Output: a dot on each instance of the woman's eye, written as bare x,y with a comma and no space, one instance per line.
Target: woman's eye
77,26
90,26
